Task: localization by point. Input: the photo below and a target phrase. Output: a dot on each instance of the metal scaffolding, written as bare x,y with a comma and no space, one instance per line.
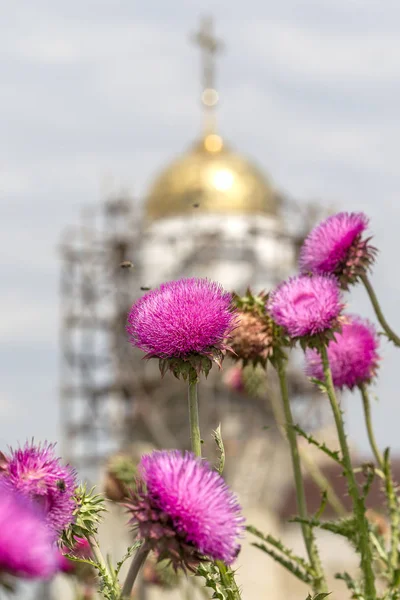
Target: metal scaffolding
108,394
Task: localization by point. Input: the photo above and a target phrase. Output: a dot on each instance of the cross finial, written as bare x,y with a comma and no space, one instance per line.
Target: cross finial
210,46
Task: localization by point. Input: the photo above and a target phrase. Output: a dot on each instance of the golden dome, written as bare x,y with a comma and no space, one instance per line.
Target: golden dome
210,178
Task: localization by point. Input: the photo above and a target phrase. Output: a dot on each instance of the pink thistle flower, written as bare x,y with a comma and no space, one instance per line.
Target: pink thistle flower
38,474
306,306
336,247
184,320
26,542
185,510
353,355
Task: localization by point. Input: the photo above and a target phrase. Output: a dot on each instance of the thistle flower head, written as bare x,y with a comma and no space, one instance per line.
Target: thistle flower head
353,354
184,321
37,473
336,247
185,511
86,516
306,306
256,338
26,542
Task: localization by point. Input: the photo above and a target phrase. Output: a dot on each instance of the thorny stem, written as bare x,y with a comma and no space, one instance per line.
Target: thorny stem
312,467
227,577
309,539
358,502
389,486
99,557
228,581
368,423
134,569
195,437
378,311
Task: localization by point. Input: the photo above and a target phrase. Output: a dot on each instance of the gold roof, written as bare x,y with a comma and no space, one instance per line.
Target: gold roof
210,178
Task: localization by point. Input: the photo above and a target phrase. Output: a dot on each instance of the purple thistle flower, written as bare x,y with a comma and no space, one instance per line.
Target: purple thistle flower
353,355
181,320
336,247
26,542
186,511
38,474
306,306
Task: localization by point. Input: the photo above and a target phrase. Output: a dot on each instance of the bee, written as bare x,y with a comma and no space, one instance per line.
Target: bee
61,485
145,288
126,264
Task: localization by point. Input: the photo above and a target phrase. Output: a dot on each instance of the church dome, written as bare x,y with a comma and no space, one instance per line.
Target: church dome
210,178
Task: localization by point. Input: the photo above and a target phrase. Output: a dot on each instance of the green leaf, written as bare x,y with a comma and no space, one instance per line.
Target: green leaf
368,470
282,548
351,584
220,445
220,579
130,552
334,454
346,527
321,385
289,565
322,506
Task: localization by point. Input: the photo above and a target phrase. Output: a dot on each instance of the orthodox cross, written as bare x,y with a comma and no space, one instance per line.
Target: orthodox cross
210,46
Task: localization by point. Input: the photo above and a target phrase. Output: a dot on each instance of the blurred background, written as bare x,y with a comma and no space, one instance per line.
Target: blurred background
145,132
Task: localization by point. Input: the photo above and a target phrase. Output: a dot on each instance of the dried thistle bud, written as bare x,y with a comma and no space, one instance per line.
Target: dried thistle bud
256,338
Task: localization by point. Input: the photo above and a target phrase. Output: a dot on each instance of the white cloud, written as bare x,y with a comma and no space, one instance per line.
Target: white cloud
8,409
330,57
28,318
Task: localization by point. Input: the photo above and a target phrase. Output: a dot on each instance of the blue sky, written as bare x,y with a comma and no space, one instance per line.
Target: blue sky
98,95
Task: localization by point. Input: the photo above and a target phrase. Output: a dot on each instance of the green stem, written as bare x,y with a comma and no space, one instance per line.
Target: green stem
368,423
99,558
195,437
358,501
134,569
228,581
389,485
378,311
226,574
308,535
311,466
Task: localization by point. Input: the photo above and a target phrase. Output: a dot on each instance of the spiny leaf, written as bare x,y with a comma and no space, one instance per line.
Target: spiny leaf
346,527
130,552
322,506
334,454
368,471
280,546
351,584
212,575
220,445
289,565
320,384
